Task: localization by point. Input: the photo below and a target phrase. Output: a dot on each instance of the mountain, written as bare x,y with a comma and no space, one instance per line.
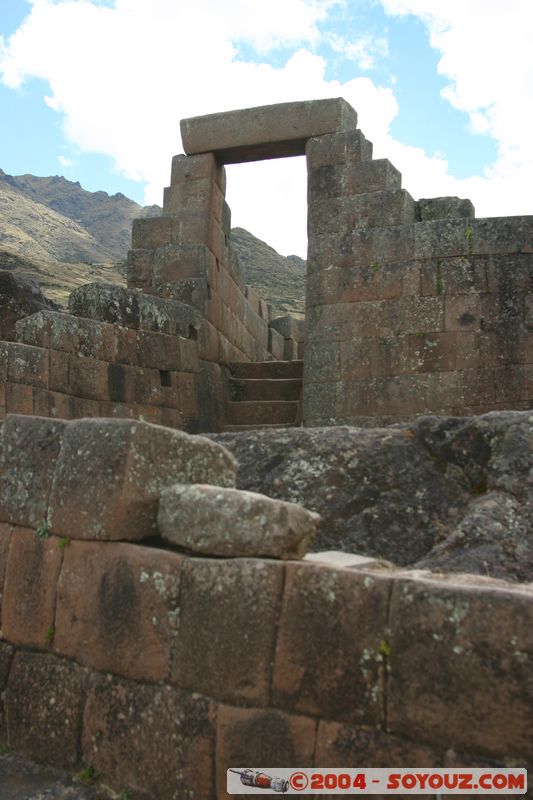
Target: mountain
278,279
56,233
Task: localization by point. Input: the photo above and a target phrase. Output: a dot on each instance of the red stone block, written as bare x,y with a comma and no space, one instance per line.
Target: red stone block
88,378
151,232
341,745
188,394
432,352
82,408
261,737
5,536
27,365
28,606
159,351
171,418
44,702
52,404
229,611
19,398
58,371
155,387
330,651
388,356
112,596
192,195
191,168
31,447
110,473
478,695
354,360
463,313
139,268
127,346
151,738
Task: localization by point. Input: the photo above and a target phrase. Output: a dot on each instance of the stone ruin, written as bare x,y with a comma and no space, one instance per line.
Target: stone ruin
411,307
160,625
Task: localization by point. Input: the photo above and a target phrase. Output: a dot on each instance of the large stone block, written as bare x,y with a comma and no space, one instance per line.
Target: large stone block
30,449
193,195
151,738
332,644
229,611
5,537
175,262
139,268
341,745
444,208
44,702
88,377
266,131
151,232
478,694
68,333
192,168
28,606
111,597
110,474
345,147
289,327
130,308
27,365
6,657
261,736
228,522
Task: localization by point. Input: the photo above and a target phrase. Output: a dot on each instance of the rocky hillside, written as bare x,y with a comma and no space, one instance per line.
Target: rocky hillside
279,280
56,233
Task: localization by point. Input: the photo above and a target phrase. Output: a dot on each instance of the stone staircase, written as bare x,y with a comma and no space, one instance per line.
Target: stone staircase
264,394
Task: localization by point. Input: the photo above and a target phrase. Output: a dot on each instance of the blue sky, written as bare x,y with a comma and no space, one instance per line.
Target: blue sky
94,90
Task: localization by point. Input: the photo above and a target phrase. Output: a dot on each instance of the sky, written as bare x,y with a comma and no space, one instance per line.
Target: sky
94,90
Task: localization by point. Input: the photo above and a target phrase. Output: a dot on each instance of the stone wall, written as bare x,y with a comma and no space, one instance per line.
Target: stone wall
412,307
161,668
119,354
187,255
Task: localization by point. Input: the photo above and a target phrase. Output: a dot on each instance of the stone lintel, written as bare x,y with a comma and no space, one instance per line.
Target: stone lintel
276,131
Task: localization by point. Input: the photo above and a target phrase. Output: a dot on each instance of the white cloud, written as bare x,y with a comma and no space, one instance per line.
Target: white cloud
123,74
487,56
364,50
64,161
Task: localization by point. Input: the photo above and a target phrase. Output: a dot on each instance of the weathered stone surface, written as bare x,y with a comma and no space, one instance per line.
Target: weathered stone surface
44,702
227,522
69,334
28,604
261,736
111,597
289,327
5,537
18,299
110,474
6,657
358,481
131,308
341,745
444,208
478,694
152,738
275,131
332,643
447,493
30,449
22,779
229,611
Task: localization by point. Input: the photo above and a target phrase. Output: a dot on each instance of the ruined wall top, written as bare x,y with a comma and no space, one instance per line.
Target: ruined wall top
255,134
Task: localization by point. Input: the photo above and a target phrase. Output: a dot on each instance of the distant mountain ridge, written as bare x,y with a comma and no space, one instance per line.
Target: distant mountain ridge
61,235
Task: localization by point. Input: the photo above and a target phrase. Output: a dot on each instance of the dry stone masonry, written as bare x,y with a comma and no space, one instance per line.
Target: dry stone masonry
160,619
412,307
160,666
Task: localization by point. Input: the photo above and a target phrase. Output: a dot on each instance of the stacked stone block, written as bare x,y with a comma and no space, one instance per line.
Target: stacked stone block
273,662
411,307
187,255
119,354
